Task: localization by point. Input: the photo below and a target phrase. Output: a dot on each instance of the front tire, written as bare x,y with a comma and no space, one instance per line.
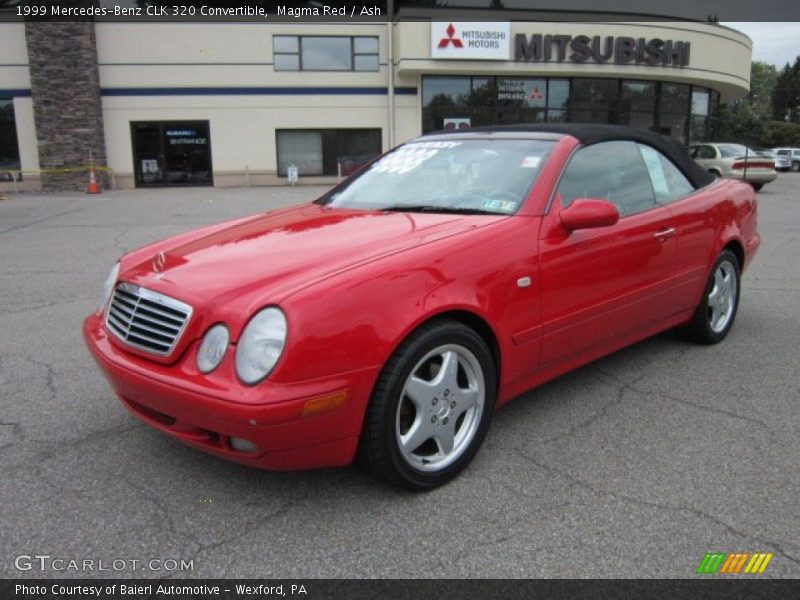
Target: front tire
795,167
714,318
431,407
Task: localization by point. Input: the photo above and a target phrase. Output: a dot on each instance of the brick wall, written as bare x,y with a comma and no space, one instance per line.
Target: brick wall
65,87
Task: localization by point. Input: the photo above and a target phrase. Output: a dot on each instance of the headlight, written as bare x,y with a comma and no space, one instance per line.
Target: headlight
108,286
260,345
212,348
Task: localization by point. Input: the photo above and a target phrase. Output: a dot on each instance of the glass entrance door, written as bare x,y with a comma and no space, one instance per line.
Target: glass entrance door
171,153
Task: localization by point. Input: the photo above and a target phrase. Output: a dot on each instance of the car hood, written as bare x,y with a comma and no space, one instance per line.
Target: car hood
268,256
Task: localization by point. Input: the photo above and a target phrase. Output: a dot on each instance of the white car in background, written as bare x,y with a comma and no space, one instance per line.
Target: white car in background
735,161
787,159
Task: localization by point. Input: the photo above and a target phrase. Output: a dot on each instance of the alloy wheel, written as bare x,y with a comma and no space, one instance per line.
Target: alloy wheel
722,297
440,409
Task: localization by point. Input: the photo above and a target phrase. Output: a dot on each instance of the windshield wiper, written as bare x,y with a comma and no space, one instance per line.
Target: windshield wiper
462,210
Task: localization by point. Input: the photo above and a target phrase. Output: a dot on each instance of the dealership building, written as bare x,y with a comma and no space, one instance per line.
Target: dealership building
230,104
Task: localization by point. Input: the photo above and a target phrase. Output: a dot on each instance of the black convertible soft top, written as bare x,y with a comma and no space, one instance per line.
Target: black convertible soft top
589,134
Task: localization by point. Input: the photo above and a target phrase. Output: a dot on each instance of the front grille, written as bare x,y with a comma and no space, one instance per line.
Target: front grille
145,319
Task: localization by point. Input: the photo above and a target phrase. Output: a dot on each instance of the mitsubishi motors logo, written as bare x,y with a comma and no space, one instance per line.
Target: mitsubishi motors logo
450,38
469,41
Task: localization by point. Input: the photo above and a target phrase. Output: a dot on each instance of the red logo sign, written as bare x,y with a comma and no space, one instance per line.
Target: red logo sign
446,41
536,94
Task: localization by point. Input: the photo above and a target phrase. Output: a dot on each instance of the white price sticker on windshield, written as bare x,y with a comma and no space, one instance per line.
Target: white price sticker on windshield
410,156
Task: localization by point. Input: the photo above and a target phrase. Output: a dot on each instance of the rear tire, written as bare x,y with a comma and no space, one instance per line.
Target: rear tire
757,186
713,319
431,407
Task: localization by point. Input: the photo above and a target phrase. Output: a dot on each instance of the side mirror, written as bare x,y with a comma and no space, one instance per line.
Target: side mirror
588,213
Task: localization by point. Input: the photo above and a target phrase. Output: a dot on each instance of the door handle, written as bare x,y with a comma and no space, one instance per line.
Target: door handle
662,235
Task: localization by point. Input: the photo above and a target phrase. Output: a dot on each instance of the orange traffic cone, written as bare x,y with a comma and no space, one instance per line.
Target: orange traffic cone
93,187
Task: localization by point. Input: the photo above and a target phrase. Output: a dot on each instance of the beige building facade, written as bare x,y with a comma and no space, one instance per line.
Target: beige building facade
229,104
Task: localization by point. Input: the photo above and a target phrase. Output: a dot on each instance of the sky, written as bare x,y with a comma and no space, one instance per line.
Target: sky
773,43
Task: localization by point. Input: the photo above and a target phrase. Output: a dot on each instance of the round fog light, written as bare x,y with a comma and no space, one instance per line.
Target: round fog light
212,348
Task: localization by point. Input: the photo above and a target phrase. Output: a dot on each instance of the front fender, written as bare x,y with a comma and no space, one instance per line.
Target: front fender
358,319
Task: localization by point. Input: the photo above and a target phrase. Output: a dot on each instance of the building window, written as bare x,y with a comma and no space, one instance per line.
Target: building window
668,108
637,104
365,54
171,153
532,100
713,120
699,131
594,100
558,100
454,101
9,150
325,53
673,110
287,52
445,91
326,151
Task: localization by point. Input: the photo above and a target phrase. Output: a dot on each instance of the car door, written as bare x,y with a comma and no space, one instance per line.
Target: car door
605,284
694,212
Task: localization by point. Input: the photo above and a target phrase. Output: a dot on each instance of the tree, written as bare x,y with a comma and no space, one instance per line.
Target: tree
780,133
742,120
786,94
769,116
763,79
739,123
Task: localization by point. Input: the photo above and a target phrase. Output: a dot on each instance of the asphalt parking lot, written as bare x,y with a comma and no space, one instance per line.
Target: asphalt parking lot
634,466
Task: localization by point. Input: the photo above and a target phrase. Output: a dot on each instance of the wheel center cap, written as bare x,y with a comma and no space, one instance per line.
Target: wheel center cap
444,411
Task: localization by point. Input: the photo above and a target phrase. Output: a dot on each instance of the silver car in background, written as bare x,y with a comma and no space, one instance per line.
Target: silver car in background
735,161
787,159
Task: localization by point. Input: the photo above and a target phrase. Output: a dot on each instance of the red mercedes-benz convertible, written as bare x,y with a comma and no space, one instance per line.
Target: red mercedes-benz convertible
387,320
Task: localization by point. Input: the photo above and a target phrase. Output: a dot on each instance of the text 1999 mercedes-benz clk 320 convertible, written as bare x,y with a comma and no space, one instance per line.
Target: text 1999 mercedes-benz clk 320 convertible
388,319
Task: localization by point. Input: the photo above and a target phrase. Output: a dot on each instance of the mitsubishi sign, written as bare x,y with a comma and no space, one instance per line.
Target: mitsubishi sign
619,50
470,41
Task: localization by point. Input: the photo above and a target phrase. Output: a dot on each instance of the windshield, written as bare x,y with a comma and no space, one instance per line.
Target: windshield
471,176
735,150
782,153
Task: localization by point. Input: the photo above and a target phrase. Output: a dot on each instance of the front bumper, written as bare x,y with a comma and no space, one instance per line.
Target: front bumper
285,439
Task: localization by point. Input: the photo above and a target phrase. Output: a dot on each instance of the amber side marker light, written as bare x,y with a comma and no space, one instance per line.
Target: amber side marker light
324,404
